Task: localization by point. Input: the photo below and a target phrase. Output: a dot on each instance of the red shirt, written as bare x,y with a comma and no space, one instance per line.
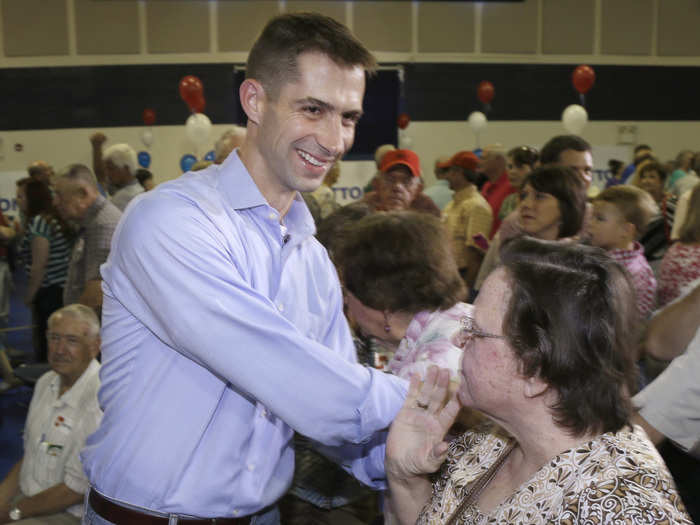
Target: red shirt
495,193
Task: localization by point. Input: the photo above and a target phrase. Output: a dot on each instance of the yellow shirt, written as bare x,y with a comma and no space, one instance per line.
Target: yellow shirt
467,214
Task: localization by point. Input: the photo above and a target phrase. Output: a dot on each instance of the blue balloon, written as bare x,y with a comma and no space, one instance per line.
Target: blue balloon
478,152
210,156
187,161
144,159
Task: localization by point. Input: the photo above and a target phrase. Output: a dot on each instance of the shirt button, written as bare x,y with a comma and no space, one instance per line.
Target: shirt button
272,216
251,467
235,512
280,307
263,413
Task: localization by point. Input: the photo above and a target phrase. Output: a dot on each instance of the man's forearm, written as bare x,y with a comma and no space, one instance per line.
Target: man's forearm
655,436
50,501
9,487
670,332
92,294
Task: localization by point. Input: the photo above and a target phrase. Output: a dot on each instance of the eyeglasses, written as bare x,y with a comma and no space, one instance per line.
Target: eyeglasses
471,331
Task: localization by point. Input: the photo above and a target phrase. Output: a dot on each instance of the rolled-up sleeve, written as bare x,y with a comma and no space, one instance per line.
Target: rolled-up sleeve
189,281
671,403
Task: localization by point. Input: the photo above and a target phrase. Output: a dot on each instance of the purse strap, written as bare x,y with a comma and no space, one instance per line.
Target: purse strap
479,484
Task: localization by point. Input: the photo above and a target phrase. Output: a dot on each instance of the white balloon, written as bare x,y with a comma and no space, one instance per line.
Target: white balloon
574,118
477,121
198,128
405,140
147,137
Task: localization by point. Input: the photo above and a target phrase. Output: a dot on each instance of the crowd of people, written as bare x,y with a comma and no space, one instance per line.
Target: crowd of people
472,352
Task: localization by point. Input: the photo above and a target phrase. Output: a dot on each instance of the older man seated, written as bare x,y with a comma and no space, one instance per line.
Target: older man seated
398,185
47,485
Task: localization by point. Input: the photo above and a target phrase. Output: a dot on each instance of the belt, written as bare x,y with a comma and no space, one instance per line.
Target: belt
126,516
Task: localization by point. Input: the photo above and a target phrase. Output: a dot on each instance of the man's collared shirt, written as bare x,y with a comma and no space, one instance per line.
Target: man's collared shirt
123,195
222,331
55,432
671,403
467,215
495,193
91,247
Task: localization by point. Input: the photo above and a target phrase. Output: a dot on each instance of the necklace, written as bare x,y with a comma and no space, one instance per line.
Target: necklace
477,487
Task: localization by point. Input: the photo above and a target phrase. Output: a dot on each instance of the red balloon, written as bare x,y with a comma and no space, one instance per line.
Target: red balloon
191,89
583,78
197,105
403,121
485,92
149,116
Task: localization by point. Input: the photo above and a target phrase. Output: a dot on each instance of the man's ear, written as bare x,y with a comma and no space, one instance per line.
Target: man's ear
252,96
95,347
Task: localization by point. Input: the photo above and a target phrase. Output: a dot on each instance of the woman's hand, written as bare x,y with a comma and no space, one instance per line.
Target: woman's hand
415,445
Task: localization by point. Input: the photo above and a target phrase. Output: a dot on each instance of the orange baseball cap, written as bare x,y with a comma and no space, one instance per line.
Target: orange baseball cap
463,159
405,157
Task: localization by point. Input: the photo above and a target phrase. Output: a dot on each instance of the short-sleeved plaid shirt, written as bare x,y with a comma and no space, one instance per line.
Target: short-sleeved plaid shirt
91,247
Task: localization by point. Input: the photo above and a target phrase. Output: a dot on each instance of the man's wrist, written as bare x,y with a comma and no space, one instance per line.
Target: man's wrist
15,514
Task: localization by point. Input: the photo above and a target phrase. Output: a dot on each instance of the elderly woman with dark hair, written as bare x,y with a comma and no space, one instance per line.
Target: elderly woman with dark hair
547,357
403,288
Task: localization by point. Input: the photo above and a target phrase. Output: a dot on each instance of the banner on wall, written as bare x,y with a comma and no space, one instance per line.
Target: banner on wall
8,192
601,156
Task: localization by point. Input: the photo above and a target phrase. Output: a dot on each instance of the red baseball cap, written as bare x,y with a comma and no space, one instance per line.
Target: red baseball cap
463,159
405,157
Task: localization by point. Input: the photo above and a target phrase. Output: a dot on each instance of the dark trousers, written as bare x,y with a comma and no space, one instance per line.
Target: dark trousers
46,301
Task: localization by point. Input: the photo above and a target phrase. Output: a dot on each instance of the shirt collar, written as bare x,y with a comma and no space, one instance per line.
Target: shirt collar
241,192
627,254
464,193
72,396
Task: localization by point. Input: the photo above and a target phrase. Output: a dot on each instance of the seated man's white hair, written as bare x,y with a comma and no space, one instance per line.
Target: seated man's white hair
122,156
82,313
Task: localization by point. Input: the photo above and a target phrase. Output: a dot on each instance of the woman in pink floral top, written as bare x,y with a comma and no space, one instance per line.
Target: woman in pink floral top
402,287
681,263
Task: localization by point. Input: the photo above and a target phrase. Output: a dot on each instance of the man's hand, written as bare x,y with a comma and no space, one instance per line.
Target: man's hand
415,445
97,139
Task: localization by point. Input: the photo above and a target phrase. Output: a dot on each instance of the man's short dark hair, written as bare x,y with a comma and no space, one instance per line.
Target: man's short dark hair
556,145
641,147
570,191
571,321
469,175
273,59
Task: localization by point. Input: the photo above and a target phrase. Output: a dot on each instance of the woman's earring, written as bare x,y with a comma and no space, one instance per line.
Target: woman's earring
387,328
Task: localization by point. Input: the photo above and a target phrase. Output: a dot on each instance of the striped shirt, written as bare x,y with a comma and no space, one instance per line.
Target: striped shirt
59,249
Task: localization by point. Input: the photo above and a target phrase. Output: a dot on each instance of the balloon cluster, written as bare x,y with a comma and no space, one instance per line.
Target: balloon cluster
198,125
575,117
477,120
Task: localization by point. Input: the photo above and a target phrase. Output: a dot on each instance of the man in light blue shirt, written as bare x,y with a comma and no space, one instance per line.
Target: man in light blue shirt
223,329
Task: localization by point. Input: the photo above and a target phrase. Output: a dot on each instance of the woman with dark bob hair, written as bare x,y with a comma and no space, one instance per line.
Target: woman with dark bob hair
548,358
552,206
402,287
